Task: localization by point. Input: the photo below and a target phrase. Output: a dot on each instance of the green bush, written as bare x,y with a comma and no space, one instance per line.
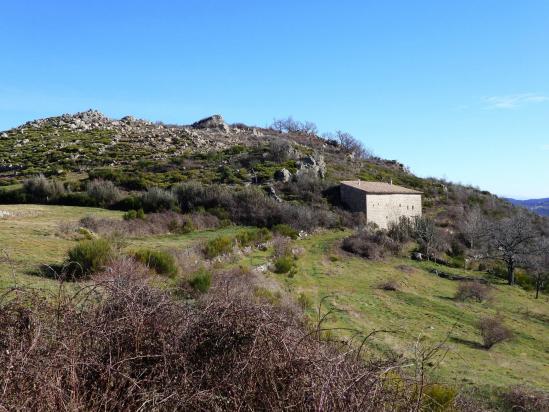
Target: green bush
157,200
285,230
90,256
218,246
41,189
201,281
253,237
438,398
128,203
283,264
134,214
104,192
186,226
162,262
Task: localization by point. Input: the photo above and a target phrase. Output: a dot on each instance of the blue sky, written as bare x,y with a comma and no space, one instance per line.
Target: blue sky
454,89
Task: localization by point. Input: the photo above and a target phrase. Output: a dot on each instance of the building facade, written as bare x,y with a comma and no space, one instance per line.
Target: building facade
381,202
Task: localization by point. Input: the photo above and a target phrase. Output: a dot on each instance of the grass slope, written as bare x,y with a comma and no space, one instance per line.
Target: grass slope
32,235
424,307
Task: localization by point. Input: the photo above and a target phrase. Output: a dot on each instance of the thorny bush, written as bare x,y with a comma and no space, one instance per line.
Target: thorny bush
119,344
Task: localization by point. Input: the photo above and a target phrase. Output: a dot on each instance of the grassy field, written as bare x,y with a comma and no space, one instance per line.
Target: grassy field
32,235
424,308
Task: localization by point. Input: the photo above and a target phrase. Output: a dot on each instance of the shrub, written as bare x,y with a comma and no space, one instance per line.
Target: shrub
158,200
184,226
41,189
90,256
281,150
134,214
219,246
103,192
161,262
227,351
251,206
400,231
268,295
371,244
283,264
474,291
438,398
253,237
519,398
201,281
389,285
128,203
493,331
283,229
305,302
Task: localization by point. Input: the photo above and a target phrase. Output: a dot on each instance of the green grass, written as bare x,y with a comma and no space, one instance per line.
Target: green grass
424,307
33,236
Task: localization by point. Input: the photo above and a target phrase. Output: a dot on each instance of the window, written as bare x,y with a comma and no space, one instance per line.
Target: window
412,207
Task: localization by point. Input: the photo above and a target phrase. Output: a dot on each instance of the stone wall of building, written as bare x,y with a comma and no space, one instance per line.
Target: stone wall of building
353,198
382,209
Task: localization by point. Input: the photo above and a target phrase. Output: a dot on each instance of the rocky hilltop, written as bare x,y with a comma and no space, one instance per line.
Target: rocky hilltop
85,141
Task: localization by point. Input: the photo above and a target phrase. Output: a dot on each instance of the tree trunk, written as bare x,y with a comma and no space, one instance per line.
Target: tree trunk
511,272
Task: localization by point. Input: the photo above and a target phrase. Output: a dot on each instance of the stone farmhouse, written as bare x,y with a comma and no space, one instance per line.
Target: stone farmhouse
382,202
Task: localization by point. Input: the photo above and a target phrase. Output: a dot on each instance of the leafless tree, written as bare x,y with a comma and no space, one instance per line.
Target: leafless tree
289,125
426,234
473,227
539,266
349,144
512,241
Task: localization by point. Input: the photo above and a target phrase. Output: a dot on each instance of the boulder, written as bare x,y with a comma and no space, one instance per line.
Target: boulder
213,122
283,175
272,193
312,163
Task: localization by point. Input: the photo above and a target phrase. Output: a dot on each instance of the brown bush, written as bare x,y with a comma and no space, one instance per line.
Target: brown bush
153,224
389,285
119,344
371,244
474,291
520,398
493,331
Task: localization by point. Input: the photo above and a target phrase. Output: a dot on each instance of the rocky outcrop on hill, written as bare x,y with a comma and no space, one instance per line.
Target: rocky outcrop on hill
213,122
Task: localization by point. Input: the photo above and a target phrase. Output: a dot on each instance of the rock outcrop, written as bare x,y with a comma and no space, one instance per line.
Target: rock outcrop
314,164
283,175
213,122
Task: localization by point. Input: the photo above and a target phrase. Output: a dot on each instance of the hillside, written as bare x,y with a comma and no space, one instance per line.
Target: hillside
136,154
211,205
539,206
423,308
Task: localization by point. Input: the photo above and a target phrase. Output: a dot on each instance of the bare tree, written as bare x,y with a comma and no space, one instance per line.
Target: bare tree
512,241
289,125
349,144
539,266
426,234
473,227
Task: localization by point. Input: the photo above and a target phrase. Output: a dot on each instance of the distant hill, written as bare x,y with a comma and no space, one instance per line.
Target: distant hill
539,206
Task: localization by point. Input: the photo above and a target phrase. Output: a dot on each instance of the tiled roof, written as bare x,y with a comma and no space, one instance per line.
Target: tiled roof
380,187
